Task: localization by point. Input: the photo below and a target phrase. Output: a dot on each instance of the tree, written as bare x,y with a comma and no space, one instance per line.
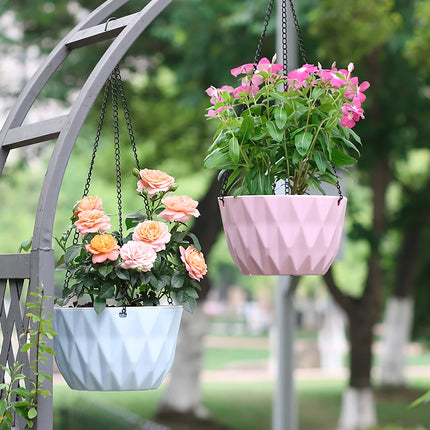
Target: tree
395,125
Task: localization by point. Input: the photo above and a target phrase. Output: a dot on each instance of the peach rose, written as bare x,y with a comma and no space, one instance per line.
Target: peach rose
86,204
137,255
154,181
179,208
92,221
103,247
194,262
154,233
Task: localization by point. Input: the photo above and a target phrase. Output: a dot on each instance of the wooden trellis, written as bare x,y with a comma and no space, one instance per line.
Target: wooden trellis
23,273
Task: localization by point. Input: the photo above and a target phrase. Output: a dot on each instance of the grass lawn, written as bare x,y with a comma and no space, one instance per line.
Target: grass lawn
241,406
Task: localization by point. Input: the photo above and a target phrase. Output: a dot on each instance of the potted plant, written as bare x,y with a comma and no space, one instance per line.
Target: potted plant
291,131
124,338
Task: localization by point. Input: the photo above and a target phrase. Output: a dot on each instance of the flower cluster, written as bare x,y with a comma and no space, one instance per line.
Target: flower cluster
157,258
294,127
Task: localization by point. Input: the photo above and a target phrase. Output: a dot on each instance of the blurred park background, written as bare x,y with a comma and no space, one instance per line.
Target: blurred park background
373,303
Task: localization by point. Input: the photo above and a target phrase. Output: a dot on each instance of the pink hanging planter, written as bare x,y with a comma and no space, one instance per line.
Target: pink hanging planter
283,235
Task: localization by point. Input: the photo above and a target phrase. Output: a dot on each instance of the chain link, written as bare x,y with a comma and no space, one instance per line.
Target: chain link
299,33
263,33
339,190
257,57
169,300
129,124
114,95
127,115
97,138
123,313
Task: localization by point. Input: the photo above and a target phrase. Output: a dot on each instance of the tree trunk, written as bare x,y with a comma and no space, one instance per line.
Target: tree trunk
332,344
358,408
398,324
183,394
399,311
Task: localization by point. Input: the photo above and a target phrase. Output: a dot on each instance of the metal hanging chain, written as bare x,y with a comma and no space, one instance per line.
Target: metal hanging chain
339,190
299,33
127,117
269,9
91,168
114,95
257,57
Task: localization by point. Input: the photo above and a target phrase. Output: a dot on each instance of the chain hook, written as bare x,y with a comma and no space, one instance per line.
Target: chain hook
123,313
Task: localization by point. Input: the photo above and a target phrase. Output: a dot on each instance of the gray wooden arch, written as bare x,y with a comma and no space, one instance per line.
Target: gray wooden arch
23,273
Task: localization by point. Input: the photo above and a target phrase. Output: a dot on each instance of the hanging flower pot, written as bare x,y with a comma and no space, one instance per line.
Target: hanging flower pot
284,127
128,272
290,128
283,235
108,351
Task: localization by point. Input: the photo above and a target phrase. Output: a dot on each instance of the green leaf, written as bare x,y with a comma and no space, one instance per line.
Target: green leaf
71,253
281,117
296,157
234,149
32,413
25,245
317,92
195,240
26,347
320,161
99,304
20,391
274,132
303,142
246,128
5,424
105,270
339,158
189,303
177,281
122,274
3,406
44,393
191,292
331,123
48,350
355,135
217,159
279,97
107,291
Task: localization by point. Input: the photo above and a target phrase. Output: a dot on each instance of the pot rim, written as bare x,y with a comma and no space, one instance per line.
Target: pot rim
275,196
116,308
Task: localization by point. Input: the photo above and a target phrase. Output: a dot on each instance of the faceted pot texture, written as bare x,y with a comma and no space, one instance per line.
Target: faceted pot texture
107,352
283,235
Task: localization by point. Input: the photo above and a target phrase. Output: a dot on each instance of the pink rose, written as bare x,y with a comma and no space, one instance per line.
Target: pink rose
154,181
92,221
154,233
179,208
137,255
194,262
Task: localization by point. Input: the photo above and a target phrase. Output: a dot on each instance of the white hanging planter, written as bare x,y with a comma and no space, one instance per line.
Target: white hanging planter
107,352
283,234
